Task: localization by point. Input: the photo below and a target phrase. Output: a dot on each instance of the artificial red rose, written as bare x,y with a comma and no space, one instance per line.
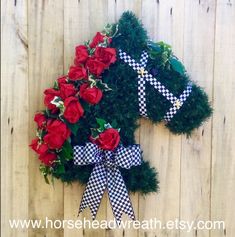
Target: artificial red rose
48,158
54,140
95,66
73,109
81,54
91,95
67,90
99,38
77,73
62,80
37,147
105,55
59,128
49,96
108,140
40,119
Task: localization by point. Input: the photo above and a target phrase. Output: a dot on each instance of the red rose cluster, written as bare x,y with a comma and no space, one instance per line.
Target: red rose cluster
63,101
55,133
93,58
68,100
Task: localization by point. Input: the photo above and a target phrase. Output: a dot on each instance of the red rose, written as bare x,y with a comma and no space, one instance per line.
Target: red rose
59,128
37,147
91,95
77,73
67,90
62,80
54,140
40,119
95,67
48,158
81,54
73,109
108,140
105,55
49,96
99,38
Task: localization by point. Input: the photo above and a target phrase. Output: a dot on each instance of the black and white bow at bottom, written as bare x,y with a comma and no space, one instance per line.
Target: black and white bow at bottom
106,175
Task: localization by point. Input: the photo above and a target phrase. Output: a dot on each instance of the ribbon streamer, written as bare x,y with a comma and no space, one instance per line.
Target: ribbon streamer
143,76
106,175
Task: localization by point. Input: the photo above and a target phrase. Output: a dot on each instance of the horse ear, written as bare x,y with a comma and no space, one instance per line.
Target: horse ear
132,37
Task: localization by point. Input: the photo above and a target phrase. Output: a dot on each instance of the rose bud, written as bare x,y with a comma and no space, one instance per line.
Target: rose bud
40,119
108,140
49,96
91,95
99,38
81,54
37,147
95,67
62,80
73,109
67,90
105,55
48,158
58,127
77,73
54,140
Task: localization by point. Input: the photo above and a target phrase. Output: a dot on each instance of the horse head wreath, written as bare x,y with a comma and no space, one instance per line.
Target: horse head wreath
86,133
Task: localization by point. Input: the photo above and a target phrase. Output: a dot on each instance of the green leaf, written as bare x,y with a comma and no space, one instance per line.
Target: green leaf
56,85
67,151
46,179
101,123
114,124
60,169
177,65
45,170
154,47
73,127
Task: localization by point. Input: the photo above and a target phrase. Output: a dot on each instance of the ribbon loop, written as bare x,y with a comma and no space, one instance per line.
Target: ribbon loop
129,156
107,175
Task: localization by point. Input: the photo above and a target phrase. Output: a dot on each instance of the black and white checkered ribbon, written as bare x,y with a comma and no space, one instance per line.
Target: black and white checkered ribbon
143,76
107,175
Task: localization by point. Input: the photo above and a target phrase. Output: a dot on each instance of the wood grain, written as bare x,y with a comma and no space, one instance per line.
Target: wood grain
196,151
14,117
196,175
160,147
223,140
45,35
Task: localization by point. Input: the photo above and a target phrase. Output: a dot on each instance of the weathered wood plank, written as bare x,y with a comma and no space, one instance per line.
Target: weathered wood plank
223,150
196,175
45,30
14,116
196,151
160,147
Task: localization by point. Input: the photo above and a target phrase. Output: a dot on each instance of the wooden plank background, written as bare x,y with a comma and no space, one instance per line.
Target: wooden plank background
197,175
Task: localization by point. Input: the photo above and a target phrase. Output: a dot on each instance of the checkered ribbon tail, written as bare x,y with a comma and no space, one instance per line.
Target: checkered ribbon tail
106,175
143,76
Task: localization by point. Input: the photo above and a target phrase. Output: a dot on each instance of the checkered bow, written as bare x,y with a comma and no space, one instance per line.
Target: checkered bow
107,175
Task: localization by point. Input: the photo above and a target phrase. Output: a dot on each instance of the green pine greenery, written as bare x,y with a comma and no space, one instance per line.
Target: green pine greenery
121,103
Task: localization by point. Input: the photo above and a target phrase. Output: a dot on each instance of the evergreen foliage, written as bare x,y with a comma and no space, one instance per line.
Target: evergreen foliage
121,103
